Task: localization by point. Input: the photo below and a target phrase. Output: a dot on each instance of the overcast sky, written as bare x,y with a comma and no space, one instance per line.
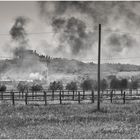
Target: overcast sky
70,29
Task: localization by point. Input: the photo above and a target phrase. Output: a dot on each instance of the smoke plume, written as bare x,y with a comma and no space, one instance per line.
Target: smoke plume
73,32
27,65
68,21
19,35
118,42
17,31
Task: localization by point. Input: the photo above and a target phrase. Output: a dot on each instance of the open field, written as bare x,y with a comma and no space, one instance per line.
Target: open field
70,121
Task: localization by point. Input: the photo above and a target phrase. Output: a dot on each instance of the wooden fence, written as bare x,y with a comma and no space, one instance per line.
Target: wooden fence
65,96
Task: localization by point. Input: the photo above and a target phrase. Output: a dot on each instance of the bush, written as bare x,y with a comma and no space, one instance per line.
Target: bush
88,84
36,87
115,83
2,88
22,87
71,86
133,84
56,85
104,84
123,84
118,84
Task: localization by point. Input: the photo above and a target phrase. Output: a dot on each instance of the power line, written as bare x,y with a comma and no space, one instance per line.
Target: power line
51,32
111,58
38,33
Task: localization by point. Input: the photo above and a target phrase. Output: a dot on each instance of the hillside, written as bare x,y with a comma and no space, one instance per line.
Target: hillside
31,63
79,70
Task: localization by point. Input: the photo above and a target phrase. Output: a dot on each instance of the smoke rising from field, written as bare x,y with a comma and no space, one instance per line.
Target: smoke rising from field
18,32
73,32
27,65
68,21
19,35
118,42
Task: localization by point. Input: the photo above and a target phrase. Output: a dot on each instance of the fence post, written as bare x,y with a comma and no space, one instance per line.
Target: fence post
137,91
45,98
22,94
13,99
73,96
63,94
19,95
111,96
26,98
121,92
92,93
79,97
52,94
60,97
124,97
33,94
1,95
83,94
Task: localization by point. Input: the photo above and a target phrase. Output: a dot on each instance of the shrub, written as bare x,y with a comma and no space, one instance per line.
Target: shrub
104,84
123,84
71,86
118,84
56,85
88,84
22,87
133,84
2,88
36,87
115,83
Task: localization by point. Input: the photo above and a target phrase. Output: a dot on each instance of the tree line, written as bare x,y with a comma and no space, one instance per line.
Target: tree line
87,84
90,84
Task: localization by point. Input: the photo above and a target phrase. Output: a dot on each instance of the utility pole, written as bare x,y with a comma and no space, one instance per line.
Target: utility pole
99,56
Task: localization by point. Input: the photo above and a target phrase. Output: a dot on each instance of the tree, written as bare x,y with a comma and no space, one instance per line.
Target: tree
2,88
123,84
56,85
71,86
103,84
36,88
115,83
59,85
134,84
22,87
88,84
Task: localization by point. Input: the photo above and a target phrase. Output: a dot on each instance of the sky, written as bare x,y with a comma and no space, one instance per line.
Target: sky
70,29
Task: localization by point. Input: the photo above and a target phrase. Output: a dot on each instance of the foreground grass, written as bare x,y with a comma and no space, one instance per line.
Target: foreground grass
70,121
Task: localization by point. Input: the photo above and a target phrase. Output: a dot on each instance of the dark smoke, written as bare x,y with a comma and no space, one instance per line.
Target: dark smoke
18,32
19,35
117,42
58,24
131,17
99,11
72,29
74,33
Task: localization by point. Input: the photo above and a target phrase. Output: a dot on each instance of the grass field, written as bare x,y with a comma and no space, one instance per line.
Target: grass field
70,121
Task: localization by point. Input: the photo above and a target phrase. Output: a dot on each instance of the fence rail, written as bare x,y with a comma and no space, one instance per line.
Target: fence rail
61,96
